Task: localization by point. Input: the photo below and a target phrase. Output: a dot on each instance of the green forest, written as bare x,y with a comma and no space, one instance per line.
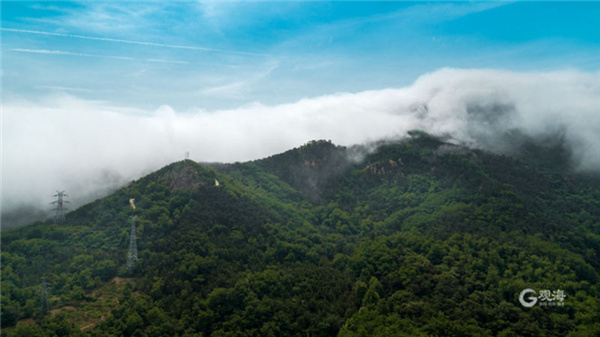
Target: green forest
415,237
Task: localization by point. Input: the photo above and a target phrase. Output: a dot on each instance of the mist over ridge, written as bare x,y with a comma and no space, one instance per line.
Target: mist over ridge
90,148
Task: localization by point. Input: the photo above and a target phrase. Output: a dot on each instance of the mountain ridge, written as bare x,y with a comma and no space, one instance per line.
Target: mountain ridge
408,237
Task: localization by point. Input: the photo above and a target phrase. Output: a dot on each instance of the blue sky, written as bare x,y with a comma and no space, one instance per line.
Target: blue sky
221,55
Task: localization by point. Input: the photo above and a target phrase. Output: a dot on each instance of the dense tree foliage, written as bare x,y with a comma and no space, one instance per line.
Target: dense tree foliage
417,238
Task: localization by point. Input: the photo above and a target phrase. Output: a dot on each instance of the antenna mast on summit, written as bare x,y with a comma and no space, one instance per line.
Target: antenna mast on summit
60,209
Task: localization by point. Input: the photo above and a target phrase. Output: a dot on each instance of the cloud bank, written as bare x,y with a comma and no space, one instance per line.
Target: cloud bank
89,148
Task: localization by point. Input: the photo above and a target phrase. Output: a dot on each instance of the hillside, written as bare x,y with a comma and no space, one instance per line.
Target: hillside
415,237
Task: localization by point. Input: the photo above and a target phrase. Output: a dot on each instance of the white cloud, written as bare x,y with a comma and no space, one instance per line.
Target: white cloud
88,147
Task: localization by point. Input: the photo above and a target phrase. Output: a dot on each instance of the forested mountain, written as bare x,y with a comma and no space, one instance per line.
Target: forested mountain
408,238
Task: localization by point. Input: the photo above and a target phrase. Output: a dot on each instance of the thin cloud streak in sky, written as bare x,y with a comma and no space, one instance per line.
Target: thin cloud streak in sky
86,147
166,61
143,43
68,53
230,89
63,88
46,51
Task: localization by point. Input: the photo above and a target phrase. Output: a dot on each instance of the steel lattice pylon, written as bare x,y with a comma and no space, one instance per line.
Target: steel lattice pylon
60,209
132,256
44,307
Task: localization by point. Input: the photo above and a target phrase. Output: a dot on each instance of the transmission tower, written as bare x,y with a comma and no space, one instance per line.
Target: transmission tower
43,297
60,209
132,256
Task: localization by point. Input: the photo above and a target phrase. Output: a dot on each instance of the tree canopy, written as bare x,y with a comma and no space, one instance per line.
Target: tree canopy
417,237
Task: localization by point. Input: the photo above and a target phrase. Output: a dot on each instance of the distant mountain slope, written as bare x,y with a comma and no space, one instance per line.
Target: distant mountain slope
310,167
416,237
